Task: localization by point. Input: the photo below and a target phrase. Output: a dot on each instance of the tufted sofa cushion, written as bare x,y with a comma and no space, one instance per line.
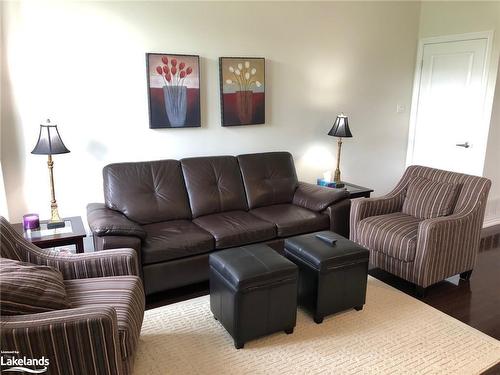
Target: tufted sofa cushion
214,184
147,192
269,178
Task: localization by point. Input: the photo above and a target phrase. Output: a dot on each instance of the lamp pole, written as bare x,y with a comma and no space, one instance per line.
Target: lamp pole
54,212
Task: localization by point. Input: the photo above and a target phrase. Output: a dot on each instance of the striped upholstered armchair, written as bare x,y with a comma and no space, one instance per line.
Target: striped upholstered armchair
99,331
427,228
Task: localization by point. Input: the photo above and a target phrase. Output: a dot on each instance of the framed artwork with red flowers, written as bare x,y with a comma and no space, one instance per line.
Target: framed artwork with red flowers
173,90
242,90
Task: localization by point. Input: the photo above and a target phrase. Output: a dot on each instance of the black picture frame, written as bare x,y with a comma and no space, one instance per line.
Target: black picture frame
157,108
231,113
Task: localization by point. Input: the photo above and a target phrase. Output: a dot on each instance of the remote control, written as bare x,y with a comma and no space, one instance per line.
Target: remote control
327,237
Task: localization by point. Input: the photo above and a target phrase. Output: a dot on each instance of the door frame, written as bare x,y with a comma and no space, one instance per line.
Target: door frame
488,92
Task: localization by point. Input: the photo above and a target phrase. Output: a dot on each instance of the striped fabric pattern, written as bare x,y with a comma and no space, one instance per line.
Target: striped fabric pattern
393,234
105,263
29,289
124,293
76,341
446,245
427,199
99,333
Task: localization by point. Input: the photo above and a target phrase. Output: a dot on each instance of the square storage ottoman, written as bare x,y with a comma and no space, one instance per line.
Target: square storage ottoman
331,278
253,292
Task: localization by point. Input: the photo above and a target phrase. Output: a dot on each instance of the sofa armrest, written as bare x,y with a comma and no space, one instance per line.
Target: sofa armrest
339,217
446,246
82,340
366,207
317,198
106,222
117,262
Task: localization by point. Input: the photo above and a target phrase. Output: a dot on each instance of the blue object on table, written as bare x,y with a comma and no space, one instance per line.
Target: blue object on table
323,182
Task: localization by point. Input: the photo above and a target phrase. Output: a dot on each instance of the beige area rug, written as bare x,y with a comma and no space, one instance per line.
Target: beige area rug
393,334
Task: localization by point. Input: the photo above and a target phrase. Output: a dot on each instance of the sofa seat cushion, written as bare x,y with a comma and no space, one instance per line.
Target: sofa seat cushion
174,239
291,220
236,228
124,293
393,234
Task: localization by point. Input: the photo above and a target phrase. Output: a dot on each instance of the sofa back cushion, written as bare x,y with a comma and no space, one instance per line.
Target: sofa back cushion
30,289
147,192
269,178
214,184
427,199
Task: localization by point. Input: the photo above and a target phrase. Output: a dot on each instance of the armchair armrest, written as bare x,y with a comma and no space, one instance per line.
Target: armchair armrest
317,198
81,340
106,222
116,262
446,246
366,207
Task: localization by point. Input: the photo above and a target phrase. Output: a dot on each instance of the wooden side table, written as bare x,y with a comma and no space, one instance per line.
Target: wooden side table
72,234
357,191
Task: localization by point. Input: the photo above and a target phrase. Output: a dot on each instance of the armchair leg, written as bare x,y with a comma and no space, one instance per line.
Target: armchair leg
466,275
420,291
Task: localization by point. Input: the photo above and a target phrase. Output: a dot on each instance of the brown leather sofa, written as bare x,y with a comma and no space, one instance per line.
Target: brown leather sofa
174,213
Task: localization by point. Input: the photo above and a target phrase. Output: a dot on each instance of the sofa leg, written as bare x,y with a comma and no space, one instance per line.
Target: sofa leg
318,319
289,331
466,275
420,291
358,308
239,344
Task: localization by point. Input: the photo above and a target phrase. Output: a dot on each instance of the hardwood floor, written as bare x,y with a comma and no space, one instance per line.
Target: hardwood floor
475,302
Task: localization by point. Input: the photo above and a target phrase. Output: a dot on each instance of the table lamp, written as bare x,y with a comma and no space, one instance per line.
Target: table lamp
341,130
50,143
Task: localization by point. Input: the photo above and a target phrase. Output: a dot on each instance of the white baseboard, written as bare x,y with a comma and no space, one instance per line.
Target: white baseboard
492,213
491,221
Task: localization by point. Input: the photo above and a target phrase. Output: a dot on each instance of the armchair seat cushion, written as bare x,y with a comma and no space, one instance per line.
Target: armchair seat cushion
393,234
291,219
123,293
236,228
174,239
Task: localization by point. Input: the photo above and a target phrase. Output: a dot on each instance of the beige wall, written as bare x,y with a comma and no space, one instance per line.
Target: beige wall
492,162
447,18
83,64
3,196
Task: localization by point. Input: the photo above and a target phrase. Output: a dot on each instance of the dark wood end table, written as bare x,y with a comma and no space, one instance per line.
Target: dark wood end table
356,191
72,234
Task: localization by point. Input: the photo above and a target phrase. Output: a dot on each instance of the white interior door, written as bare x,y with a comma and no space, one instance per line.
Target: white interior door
449,131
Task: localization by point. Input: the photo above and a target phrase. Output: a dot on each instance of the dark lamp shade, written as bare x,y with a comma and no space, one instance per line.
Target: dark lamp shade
49,142
340,128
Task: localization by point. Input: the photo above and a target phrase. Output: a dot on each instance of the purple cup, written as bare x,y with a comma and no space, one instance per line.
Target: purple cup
31,221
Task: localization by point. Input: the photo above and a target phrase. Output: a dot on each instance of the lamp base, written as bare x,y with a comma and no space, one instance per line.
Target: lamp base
56,224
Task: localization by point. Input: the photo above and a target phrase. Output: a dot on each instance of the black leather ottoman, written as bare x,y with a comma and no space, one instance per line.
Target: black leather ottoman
253,292
332,277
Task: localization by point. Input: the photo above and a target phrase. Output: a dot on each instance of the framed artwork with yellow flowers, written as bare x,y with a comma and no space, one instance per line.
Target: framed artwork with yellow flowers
242,90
